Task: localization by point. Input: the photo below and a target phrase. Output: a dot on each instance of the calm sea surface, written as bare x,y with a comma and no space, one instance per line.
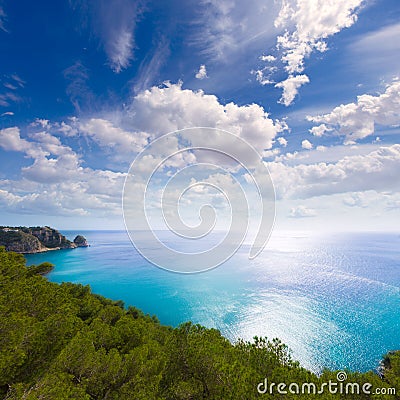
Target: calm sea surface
334,300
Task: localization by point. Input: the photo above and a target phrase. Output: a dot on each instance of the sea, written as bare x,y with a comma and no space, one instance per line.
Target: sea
334,299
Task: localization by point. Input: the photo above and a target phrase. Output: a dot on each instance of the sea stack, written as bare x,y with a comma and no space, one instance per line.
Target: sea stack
81,241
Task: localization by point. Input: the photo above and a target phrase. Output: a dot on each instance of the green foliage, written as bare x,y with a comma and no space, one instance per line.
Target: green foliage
63,342
41,269
391,371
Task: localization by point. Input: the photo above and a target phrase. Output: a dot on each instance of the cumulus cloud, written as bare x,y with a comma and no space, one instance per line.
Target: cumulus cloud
319,130
10,140
376,170
56,182
357,120
307,24
59,176
282,141
262,78
291,87
160,110
165,109
268,58
306,144
302,212
113,138
202,72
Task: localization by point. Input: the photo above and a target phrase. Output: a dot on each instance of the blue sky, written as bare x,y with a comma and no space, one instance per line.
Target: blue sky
312,85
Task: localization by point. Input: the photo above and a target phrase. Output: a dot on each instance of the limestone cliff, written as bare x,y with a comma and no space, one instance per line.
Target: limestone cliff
81,241
36,239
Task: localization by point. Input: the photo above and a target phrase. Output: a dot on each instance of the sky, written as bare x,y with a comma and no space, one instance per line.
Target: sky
312,85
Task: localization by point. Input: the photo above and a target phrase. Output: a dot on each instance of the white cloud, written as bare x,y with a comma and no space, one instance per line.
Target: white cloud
261,77
44,123
376,170
18,80
56,183
115,139
202,73
268,58
67,129
291,87
161,110
357,120
392,202
7,113
58,178
150,66
327,154
307,24
282,141
114,24
357,199
10,140
52,159
6,99
50,170
10,86
306,144
120,50
11,83
319,130
302,212
225,27
270,153
3,18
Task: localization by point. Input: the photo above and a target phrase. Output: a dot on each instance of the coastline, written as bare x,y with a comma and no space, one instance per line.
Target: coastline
37,239
305,291
97,336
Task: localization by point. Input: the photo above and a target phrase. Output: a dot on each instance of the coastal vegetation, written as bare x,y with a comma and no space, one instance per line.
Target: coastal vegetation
61,341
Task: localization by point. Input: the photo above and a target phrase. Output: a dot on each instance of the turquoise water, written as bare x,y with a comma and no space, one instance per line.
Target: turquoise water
334,300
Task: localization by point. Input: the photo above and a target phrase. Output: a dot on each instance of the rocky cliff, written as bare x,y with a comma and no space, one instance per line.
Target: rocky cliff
81,241
36,239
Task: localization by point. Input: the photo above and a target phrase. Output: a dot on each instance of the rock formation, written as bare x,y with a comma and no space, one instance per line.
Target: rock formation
36,239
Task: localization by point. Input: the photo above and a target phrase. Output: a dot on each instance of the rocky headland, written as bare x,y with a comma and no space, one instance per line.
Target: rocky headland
29,240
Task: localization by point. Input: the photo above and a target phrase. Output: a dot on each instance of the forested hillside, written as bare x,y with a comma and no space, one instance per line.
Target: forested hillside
63,342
